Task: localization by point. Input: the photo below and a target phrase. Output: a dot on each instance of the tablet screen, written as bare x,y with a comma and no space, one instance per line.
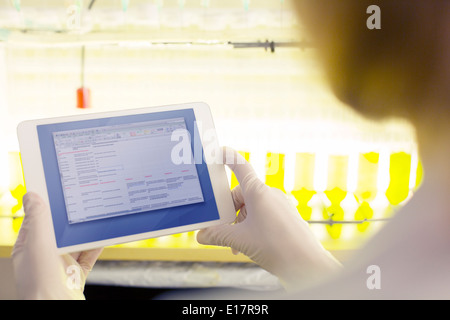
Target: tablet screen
114,177
123,169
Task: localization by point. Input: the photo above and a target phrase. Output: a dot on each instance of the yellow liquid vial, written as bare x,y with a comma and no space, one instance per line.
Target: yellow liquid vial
275,170
335,213
363,212
337,172
399,171
304,171
303,189
303,196
366,189
336,192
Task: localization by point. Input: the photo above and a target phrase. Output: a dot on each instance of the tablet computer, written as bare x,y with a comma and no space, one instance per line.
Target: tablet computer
123,176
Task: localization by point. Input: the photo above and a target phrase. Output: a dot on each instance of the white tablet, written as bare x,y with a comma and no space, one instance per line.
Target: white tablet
123,176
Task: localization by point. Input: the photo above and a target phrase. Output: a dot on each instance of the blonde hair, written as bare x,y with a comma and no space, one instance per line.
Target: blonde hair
396,61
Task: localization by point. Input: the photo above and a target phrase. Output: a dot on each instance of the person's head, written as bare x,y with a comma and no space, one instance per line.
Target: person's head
380,72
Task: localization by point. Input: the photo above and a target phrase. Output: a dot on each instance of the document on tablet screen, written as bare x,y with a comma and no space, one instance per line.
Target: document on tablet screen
123,169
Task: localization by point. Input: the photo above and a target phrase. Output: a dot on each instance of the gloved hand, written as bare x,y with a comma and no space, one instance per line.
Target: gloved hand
270,231
40,272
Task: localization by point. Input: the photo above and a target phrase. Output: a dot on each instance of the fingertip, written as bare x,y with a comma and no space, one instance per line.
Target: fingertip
27,197
87,259
232,158
202,237
30,198
241,168
32,202
212,235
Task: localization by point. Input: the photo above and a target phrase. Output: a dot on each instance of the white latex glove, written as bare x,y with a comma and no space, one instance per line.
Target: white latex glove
270,231
39,271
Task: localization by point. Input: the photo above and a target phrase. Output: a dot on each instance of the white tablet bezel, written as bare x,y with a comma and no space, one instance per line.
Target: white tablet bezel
35,177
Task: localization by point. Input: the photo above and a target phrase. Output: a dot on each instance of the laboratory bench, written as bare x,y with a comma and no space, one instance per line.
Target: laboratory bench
178,247
175,262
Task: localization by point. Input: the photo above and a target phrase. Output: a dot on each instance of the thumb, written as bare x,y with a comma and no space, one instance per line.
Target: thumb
242,169
87,259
